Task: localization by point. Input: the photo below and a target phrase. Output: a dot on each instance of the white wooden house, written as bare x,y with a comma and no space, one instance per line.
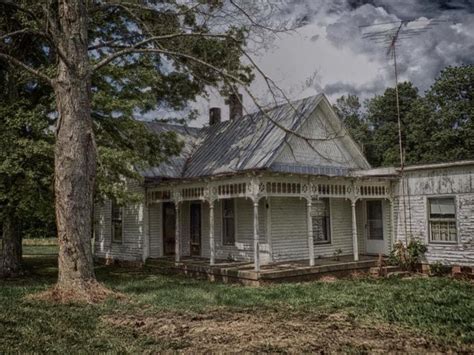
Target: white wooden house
287,184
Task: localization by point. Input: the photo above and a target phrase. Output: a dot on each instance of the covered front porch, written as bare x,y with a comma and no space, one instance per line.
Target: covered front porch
244,272
276,219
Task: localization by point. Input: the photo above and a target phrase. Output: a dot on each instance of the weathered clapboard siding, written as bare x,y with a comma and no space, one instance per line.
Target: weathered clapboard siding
134,230
422,184
102,229
341,230
155,214
243,248
289,228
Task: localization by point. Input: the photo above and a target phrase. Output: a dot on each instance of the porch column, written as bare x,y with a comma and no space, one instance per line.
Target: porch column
177,243
310,233
212,244
256,244
355,245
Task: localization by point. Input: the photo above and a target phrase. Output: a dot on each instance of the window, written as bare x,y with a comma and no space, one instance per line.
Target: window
116,222
442,220
228,222
321,221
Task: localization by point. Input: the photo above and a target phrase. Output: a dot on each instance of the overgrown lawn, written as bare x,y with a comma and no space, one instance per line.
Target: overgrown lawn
438,309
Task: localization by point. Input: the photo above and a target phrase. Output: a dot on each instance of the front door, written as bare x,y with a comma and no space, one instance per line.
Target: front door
195,229
374,228
169,228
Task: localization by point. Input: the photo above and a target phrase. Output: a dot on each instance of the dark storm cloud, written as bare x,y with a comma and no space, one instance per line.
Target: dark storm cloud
421,57
409,9
343,88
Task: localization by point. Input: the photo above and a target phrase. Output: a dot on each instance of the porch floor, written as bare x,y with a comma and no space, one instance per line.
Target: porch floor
243,272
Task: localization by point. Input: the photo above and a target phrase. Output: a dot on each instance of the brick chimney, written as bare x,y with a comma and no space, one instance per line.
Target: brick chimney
235,106
214,116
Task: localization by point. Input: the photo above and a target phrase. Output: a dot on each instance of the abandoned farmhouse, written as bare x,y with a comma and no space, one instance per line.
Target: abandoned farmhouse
286,185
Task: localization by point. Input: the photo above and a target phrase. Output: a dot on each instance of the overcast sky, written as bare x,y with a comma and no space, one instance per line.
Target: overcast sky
328,54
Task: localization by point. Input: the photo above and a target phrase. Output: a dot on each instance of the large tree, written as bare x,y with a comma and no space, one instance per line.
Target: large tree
382,119
26,150
84,39
349,109
451,101
26,166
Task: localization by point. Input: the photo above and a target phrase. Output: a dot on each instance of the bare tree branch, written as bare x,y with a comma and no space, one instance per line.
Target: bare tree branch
14,33
27,68
136,47
254,22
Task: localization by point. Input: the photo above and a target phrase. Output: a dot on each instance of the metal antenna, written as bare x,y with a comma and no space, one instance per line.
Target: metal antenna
390,38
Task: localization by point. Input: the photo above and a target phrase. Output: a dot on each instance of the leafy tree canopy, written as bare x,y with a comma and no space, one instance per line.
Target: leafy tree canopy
437,127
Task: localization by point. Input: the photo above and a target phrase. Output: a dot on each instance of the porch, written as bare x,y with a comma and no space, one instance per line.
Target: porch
270,219
244,272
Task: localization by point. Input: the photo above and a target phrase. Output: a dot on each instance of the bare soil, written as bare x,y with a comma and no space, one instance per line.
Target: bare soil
89,292
274,331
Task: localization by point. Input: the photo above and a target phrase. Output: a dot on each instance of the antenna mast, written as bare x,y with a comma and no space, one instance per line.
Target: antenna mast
396,31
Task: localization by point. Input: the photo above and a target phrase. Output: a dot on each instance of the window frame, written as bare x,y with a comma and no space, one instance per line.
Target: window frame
429,220
328,217
223,239
114,221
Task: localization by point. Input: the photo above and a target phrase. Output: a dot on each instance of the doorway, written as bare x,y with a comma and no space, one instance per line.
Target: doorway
195,229
374,228
169,228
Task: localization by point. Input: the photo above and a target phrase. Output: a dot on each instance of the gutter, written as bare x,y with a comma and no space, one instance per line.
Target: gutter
438,165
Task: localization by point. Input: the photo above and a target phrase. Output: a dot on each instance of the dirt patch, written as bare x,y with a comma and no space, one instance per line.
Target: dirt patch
272,331
90,292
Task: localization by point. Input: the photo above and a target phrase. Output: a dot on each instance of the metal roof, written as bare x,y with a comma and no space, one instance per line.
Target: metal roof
249,143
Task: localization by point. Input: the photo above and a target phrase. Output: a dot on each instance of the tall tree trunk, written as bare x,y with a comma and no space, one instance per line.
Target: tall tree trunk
12,249
75,154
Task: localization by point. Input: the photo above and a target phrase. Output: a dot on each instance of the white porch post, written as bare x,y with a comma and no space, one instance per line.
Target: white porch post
310,233
177,235
355,245
256,244
212,243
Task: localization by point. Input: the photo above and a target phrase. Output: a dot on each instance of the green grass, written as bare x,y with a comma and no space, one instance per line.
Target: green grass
40,250
441,308
40,246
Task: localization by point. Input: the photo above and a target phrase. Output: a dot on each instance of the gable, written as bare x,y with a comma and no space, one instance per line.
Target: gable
328,149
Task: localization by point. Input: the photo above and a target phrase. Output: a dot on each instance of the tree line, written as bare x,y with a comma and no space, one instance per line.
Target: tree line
436,127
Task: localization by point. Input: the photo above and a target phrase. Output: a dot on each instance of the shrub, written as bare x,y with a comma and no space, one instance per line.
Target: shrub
407,257
438,269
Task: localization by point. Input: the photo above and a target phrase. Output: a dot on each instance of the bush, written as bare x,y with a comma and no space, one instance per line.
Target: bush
438,269
407,257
